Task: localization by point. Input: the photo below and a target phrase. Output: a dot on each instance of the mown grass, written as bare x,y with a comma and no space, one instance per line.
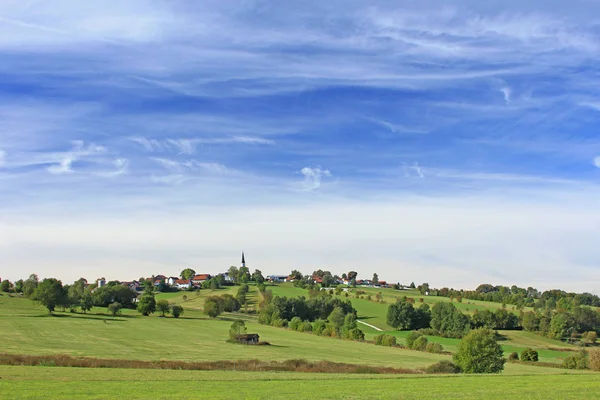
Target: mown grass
49,383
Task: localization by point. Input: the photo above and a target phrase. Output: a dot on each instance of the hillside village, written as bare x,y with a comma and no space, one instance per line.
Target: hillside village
199,281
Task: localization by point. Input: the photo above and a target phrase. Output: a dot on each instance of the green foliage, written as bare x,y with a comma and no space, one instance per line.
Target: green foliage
435,348
354,334
478,352
213,306
106,295
385,340
30,285
410,339
50,293
257,276
337,318
529,354
590,338
449,321
319,326
115,308
420,343
561,325
295,323
163,307
594,359
375,279
230,303
443,367
187,274
5,286
147,304
514,356
305,327
237,328
578,360
86,302
401,315
176,310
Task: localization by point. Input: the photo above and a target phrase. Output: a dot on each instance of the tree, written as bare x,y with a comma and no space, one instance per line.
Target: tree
86,302
176,310
237,328
449,321
213,306
30,285
352,275
296,275
375,279
412,285
163,307
420,343
115,308
401,315
529,354
233,273
19,286
410,339
75,292
243,275
424,288
147,304
5,286
337,318
187,274
257,276
50,293
478,352
594,359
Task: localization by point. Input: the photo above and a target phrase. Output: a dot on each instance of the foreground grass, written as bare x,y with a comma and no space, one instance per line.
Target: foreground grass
49,383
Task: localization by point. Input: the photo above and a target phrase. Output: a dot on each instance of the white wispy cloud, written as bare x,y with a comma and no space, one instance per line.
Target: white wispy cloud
506,92
2,158
597,161
313,177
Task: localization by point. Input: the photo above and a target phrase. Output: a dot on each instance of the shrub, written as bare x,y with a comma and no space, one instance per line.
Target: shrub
115,308
279,322
176,310
319,326
529,354
355,334
305,327
434,348
385,340
389,340
478,352
410,339
420,344
594,359
295,323
576,361
514,356
443,367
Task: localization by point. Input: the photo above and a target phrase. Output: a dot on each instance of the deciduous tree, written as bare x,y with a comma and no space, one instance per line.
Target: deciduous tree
50,293
478,352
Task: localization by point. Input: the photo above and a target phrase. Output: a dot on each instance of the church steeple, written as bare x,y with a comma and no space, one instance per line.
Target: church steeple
243,260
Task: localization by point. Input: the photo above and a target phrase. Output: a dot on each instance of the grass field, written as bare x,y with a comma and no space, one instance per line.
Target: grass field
25,328
54,382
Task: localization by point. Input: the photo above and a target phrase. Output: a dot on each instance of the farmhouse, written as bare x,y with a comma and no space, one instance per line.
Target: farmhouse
183,283
200,278
277,278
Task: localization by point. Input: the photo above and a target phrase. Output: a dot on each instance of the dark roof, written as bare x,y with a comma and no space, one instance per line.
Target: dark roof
243,259
248,336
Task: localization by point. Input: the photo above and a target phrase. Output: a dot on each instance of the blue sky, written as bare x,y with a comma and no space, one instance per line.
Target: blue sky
425,141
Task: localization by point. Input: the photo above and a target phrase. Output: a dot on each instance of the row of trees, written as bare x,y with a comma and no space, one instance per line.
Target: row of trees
443,317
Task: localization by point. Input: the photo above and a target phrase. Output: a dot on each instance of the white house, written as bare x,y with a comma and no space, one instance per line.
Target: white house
183,284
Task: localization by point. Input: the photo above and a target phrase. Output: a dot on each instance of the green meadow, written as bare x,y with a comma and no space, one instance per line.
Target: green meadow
26,328
80,383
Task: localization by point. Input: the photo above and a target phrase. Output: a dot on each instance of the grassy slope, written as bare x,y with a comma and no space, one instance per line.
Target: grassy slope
39,382
375,314
194,337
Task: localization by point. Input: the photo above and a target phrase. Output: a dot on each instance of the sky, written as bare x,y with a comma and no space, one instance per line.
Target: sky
426,141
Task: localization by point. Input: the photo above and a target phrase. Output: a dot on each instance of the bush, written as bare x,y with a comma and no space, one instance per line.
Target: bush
389,340
514,356
529,354
279,322
295,323
305,327
420,344
576,361
594,359
410,339
443,367
478,352
319,326
434,348
355,334
176,310
115,308
385,340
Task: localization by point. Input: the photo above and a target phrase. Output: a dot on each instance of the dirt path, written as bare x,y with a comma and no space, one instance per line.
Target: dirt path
372,326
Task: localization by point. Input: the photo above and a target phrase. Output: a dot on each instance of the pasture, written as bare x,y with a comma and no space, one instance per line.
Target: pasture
81,383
